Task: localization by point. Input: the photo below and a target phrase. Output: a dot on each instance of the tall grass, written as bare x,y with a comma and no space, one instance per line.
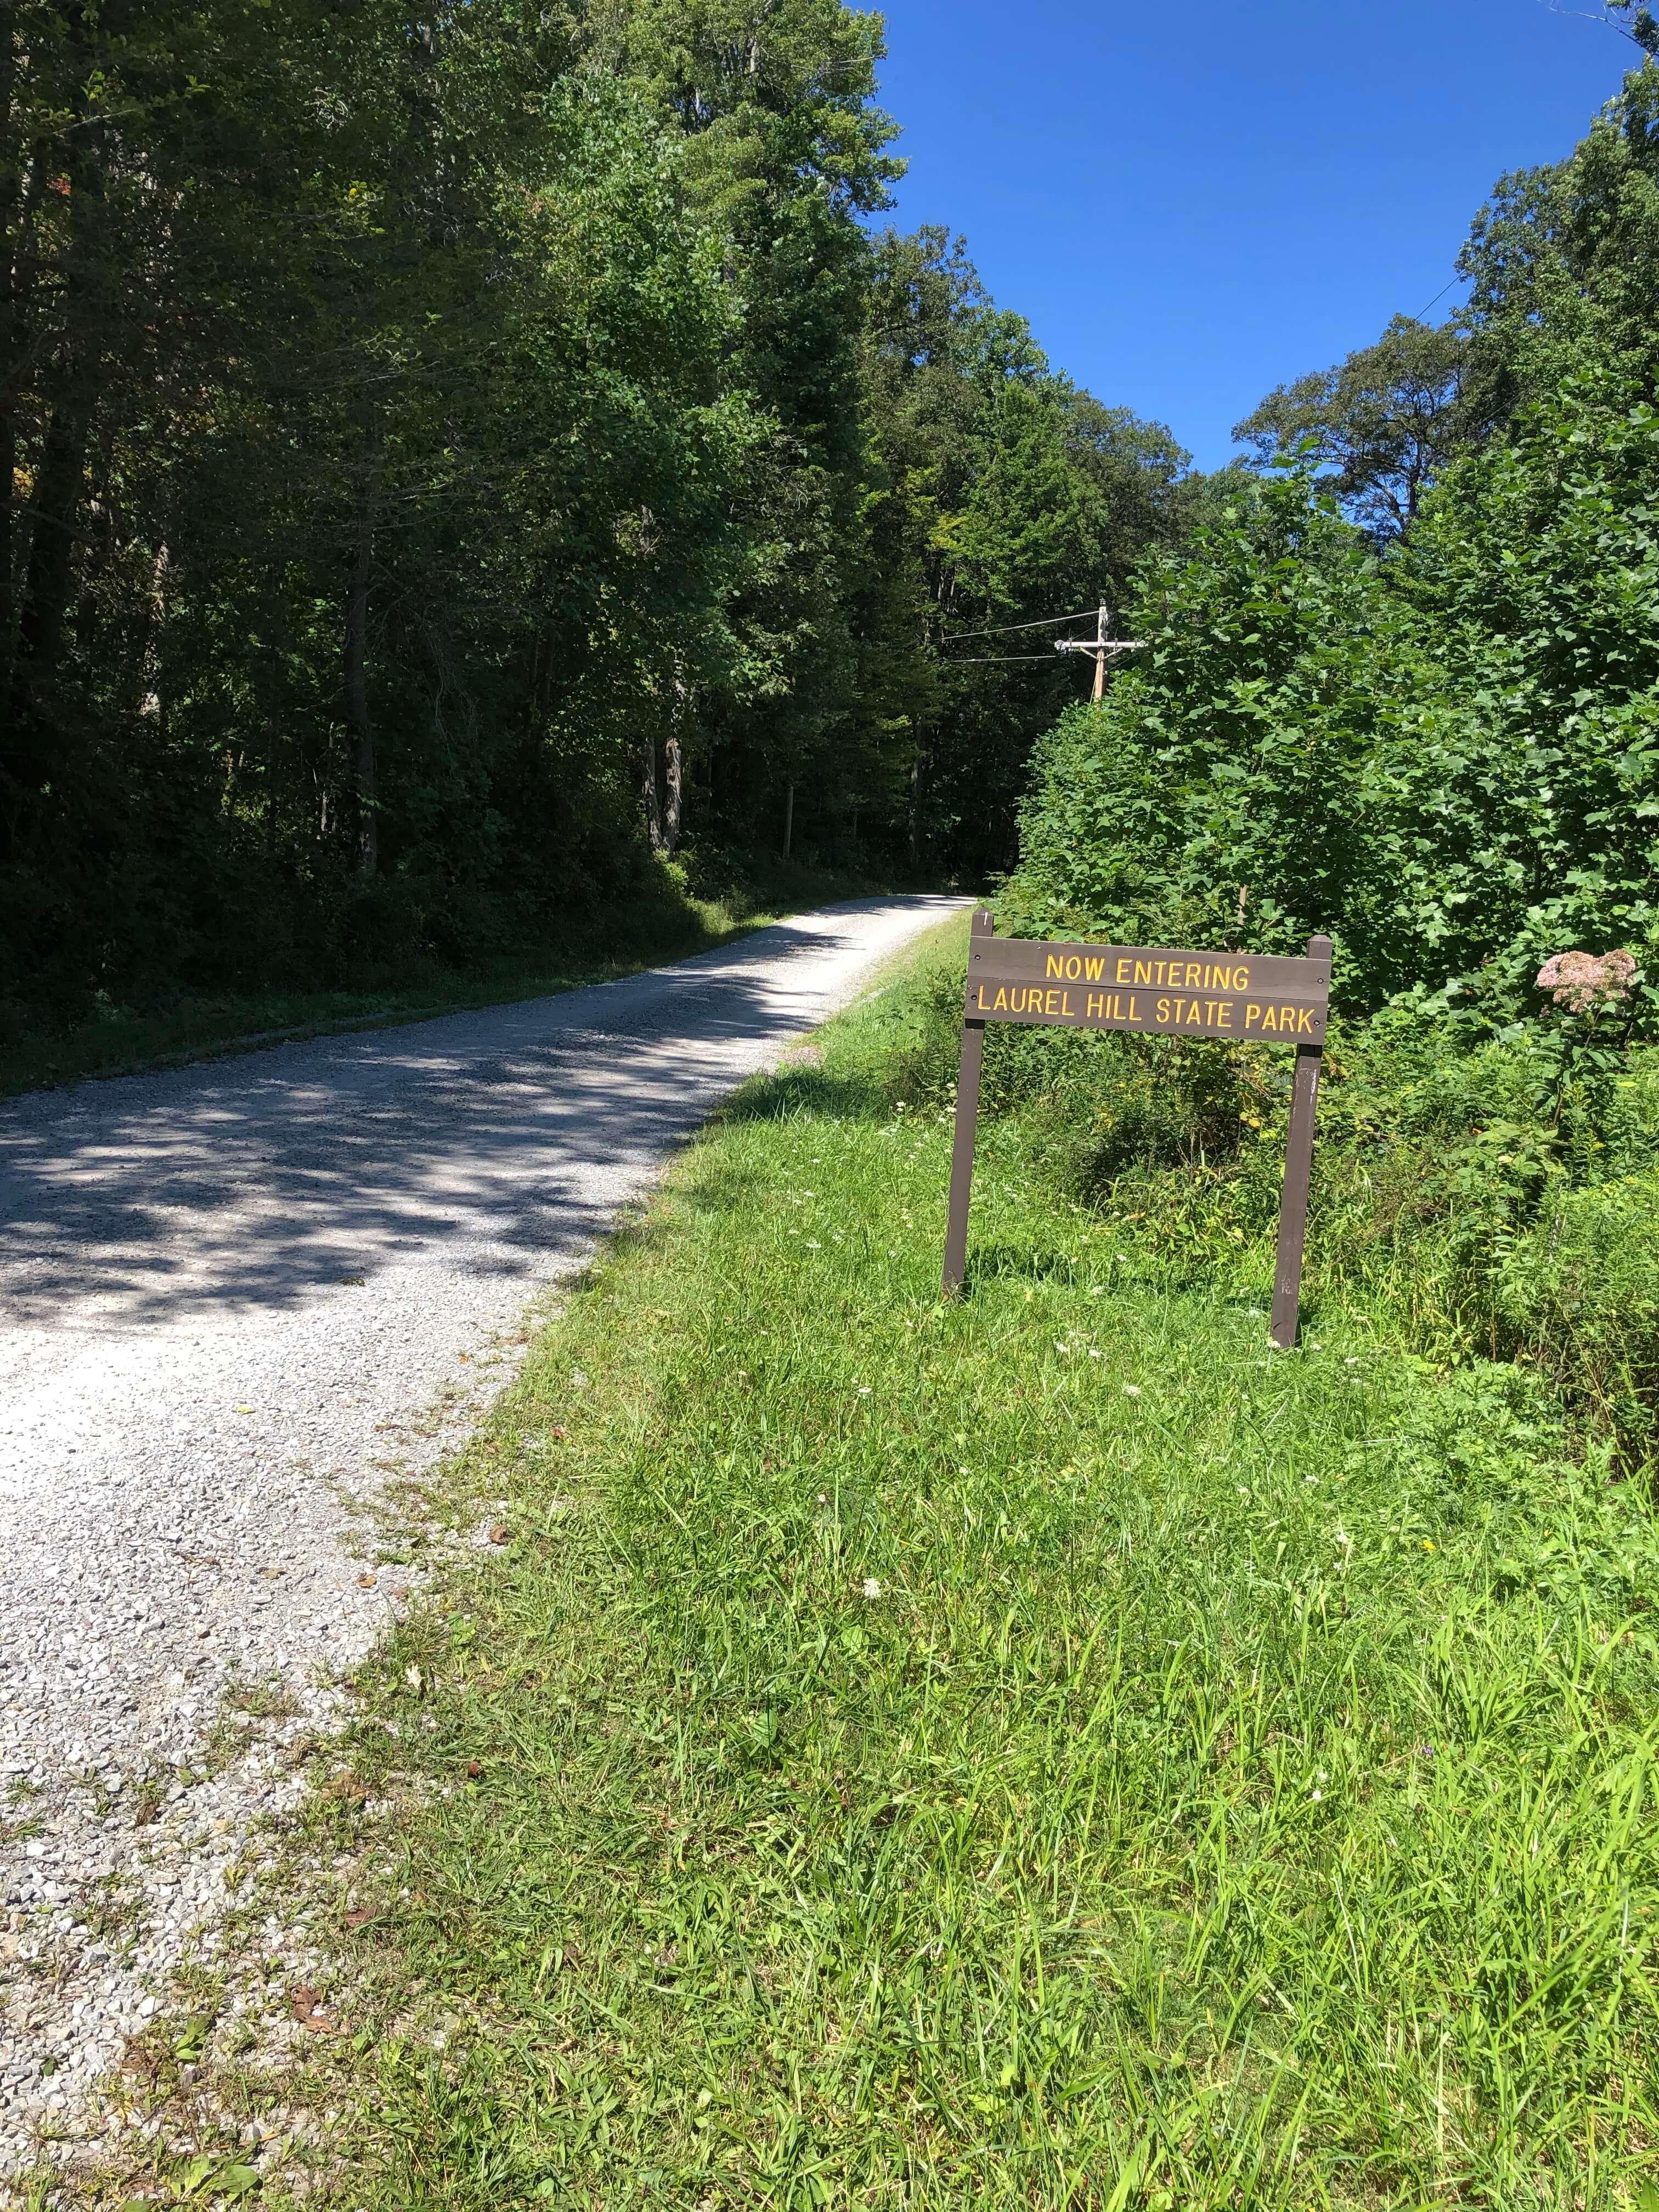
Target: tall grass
1046,1750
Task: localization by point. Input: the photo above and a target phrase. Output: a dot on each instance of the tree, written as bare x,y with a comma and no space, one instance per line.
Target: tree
1562,263
1385,422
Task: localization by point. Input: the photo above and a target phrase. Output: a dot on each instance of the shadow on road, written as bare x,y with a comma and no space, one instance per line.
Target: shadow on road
509,1132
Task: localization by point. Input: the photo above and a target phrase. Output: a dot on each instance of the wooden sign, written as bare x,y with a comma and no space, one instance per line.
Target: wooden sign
1162,991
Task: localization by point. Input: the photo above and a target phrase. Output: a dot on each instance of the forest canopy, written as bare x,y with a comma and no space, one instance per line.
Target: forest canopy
473,469
458,460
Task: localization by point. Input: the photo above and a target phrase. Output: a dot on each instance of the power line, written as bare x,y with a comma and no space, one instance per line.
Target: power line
961,636
1438,296
984,660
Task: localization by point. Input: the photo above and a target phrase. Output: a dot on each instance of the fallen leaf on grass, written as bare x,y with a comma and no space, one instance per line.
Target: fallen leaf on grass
356,1915
308,2008
498,1534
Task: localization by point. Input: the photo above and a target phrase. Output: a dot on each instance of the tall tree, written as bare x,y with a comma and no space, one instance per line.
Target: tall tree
1385,422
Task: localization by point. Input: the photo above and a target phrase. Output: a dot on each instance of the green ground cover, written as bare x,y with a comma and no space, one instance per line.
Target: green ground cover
1046,1750
181,1026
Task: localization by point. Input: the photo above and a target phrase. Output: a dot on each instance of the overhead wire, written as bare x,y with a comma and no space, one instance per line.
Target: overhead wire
962,636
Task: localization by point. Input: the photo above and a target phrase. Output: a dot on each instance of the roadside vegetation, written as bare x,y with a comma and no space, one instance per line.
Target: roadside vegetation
1049,1748
167,1029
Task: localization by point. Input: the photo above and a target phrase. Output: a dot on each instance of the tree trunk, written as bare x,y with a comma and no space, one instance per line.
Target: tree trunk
54,511
673,777
648,783
674,762
789,819
11,199
356,666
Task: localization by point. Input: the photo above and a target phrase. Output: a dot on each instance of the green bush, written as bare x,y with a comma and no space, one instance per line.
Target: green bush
1496,1198
1579,1296
1444,756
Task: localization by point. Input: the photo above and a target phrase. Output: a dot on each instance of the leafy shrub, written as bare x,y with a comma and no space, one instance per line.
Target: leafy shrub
1446,758
1496,1198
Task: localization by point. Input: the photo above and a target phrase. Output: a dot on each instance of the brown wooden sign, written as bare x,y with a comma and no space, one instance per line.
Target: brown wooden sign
1157,989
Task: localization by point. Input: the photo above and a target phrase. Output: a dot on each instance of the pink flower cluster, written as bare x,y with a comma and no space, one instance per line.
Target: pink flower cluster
1581,981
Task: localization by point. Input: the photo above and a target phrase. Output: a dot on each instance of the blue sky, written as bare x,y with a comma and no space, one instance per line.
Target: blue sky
1192,204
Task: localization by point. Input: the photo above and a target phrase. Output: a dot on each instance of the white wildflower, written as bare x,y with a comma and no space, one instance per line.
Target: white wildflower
872,1587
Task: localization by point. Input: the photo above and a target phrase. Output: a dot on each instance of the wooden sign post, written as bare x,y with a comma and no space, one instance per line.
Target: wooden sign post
1239,995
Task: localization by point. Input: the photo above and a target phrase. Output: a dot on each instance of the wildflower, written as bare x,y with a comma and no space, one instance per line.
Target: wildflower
864,1389
1318,1796
1132,1390
1427,1547
1581,981
872,1587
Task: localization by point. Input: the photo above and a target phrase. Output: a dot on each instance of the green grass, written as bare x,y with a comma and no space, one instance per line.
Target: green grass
1046,1750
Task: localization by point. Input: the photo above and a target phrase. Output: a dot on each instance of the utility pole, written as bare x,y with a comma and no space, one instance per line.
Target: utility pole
1099,645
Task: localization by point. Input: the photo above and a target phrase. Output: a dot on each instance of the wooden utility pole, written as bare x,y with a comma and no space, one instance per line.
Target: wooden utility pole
1099,645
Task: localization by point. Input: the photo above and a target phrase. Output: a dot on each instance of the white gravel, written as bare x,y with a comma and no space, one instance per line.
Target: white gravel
230,1296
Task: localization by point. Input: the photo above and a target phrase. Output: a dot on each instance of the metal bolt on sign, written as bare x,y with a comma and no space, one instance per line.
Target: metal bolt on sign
1161,991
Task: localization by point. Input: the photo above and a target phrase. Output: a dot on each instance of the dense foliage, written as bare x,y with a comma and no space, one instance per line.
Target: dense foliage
1441,746
457,458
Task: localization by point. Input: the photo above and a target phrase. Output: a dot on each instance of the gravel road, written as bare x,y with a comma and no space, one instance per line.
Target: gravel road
230,1297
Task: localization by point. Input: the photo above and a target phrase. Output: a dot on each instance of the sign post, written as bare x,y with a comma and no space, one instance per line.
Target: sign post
967,1128
1243,996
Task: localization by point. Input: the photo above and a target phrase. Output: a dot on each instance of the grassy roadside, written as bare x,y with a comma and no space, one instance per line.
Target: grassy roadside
134,1040
1047,1751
